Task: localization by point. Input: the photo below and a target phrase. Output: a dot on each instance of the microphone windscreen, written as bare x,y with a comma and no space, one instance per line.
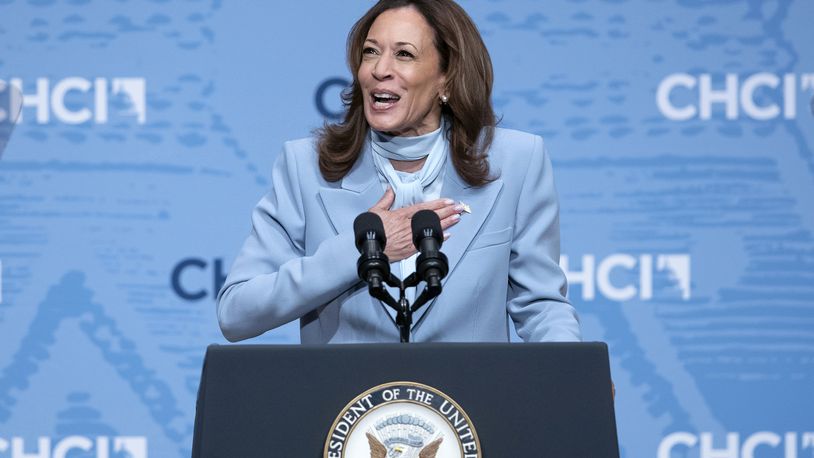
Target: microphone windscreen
368,223
426,223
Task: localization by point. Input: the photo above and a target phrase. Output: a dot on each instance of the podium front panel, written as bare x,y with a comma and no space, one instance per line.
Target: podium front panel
524,400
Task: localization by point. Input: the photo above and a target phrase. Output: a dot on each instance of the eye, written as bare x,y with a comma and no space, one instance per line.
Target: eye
369,51
404,53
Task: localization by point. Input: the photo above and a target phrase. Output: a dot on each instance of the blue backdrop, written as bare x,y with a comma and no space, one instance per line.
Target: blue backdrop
682,138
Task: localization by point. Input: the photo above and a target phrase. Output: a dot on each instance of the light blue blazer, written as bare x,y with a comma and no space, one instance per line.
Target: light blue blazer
299,262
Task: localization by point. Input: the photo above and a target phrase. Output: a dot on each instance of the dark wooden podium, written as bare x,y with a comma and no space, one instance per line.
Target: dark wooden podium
524,400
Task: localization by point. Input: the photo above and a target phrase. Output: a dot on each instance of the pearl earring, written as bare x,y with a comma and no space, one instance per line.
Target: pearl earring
444,99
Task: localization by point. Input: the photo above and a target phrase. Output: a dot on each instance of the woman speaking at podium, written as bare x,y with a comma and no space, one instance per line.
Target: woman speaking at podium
419,133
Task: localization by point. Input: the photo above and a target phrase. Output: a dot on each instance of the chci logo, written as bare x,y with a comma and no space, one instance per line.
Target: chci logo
402,420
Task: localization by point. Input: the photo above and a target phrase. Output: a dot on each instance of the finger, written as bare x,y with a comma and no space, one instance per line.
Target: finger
448,211
450,221
432,205
386,201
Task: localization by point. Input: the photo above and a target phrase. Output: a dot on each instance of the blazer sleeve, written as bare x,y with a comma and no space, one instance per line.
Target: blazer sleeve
537,286
272,281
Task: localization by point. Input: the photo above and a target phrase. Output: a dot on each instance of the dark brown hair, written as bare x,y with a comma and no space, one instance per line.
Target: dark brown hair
468,69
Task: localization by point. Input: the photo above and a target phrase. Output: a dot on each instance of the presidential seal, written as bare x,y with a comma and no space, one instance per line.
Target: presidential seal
402,420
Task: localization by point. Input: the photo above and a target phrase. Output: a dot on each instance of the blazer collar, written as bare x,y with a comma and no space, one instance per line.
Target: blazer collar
358,194
363,173
360,189
355,195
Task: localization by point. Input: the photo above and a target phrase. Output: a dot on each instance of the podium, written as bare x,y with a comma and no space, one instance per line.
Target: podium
469,400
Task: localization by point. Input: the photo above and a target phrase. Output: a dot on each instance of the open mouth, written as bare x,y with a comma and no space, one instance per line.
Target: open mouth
384,99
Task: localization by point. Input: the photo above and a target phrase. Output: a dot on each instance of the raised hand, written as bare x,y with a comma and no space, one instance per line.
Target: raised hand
397,222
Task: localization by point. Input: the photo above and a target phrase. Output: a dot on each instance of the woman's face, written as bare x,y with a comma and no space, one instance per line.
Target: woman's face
400,74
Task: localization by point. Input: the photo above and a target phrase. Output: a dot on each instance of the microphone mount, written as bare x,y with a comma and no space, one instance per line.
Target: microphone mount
404,311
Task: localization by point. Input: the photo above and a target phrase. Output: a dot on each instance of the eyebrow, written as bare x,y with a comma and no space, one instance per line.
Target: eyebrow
400,43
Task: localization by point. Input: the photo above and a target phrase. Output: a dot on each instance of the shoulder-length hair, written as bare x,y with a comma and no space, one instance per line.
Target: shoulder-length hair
468,69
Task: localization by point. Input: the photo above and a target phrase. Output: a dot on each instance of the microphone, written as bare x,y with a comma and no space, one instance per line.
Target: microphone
373,266
432,265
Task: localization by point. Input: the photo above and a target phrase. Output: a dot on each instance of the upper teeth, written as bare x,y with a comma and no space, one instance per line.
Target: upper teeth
384,95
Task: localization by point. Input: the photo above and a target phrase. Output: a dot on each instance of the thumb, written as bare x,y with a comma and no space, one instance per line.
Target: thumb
386,201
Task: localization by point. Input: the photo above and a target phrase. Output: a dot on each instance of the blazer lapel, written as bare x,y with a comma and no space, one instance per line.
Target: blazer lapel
356,195
359,190
480,201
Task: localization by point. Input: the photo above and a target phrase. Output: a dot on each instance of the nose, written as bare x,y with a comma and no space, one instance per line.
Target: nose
383,69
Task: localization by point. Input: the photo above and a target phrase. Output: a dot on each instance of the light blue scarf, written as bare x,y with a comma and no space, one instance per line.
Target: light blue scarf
409,188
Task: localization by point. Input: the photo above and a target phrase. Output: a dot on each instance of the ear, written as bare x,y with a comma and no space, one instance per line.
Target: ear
442,85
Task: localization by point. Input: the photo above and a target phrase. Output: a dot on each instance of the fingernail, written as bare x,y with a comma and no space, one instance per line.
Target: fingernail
449,201
447,235
456,217
459,208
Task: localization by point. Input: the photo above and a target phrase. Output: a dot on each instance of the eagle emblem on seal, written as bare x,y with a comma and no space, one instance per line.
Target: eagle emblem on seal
404,436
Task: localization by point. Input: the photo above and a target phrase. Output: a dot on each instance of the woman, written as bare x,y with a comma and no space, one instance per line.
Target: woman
419,133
